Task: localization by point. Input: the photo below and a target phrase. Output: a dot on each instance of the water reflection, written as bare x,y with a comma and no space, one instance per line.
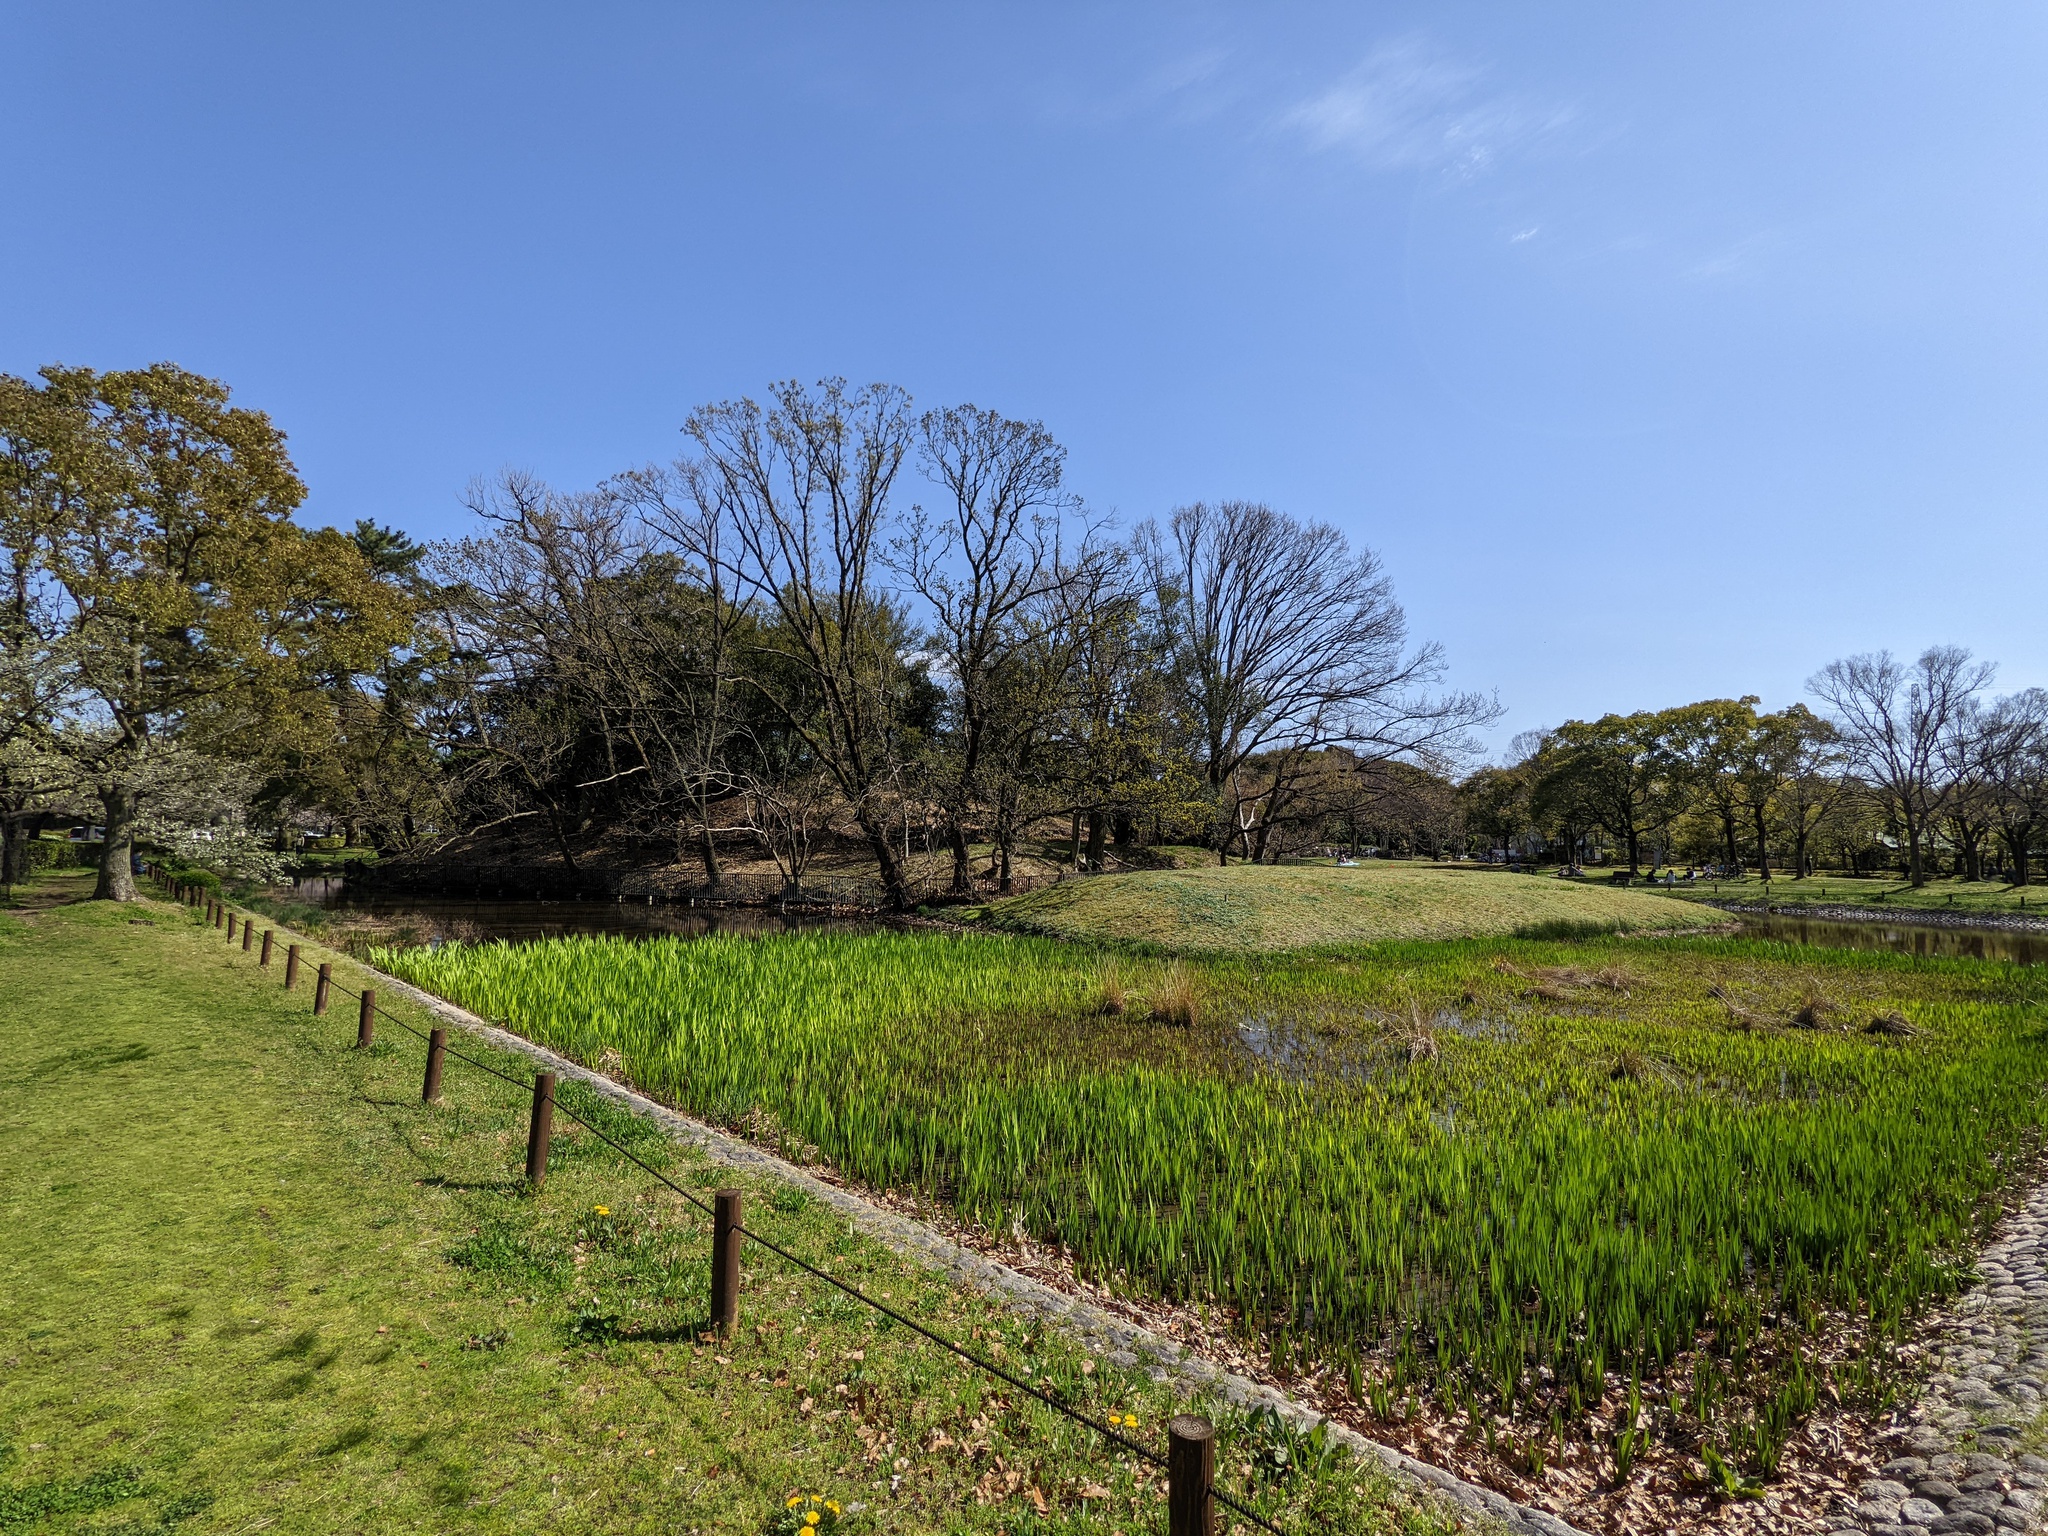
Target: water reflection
2018,946
442,917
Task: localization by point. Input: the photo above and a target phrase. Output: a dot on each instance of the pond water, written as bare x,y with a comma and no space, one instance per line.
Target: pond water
445,917
2019,946
455,917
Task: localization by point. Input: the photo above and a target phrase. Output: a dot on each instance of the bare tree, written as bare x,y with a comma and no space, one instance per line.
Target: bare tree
801,493
1285,641
525,608
603,654
1970,806
1814,785
981,566
2014,755
1894,721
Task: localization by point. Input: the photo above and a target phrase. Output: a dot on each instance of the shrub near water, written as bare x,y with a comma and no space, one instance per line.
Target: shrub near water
1588,1182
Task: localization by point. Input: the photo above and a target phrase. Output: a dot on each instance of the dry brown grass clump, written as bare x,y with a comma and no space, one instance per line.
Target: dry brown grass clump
1743,1022
1114,997
1419,1038
1813,1009
1562,983
1614,979
1638,1067
1892,1025
1175,1000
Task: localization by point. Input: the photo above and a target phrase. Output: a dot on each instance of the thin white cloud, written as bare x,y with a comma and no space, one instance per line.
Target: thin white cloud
1188,86
1407,107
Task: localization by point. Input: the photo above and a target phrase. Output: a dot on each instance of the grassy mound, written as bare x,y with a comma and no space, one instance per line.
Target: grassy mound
1302,906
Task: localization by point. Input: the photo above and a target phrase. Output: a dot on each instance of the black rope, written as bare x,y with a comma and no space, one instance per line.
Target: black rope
1106,1431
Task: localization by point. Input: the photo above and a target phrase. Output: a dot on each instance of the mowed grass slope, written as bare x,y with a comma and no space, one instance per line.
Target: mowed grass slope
251,1283
1266,907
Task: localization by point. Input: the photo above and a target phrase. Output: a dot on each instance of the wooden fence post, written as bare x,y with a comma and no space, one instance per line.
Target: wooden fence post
320,987
231,927
1190,1477
540,1129
291,967
437,1047
266,947
248,933
366,1021
726,1223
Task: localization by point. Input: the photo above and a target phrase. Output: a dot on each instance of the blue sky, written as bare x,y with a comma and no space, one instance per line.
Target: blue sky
1662,352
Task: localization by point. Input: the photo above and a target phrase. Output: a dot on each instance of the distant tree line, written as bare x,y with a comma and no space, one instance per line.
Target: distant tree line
836,618
833,615
1913,766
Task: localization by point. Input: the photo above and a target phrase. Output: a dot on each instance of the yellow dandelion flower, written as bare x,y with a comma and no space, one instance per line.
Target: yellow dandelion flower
602,1210
810,1517
833,1505
792,1501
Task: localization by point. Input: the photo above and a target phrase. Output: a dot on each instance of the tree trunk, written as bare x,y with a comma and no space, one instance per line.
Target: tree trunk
707,850
1635,855
1097,825
1003,863
117,878
887,864
13,851
1763,846
963,874
2016,841
1733,859
1916,871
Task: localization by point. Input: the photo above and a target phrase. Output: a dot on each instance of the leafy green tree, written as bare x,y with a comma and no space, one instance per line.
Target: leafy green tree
1710,741
1621,772
187,603
1496,805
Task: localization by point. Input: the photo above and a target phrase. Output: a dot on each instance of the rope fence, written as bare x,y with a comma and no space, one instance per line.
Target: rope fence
1189,1461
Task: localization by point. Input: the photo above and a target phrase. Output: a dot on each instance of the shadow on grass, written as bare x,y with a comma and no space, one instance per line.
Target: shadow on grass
474,1186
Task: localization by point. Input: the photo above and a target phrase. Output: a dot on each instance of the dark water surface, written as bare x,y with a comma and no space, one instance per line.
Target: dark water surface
2018,946
460,918
445,917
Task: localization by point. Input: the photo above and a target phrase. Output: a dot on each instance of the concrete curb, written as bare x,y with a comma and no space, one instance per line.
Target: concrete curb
1097,1329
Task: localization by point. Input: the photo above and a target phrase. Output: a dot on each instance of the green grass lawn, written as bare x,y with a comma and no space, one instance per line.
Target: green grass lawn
1985,897
1247,907
251,1283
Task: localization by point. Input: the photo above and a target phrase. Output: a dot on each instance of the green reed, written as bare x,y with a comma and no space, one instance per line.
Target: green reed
1589,1186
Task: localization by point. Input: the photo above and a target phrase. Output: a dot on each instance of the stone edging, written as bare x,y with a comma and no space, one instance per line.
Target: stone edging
1098,1330
1905,917
1963,1470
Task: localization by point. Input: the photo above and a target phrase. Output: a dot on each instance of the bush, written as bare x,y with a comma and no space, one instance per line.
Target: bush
192,874
61,853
